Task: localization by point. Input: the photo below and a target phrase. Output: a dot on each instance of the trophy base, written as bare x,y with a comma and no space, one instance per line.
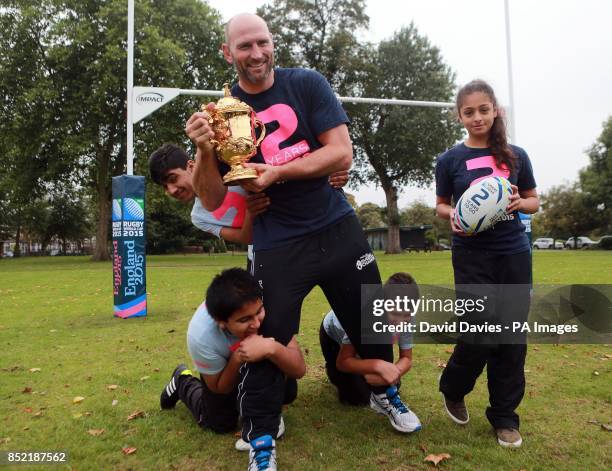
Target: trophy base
236,175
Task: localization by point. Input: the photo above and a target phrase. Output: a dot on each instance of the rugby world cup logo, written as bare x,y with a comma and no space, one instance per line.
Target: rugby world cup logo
117,209
133,209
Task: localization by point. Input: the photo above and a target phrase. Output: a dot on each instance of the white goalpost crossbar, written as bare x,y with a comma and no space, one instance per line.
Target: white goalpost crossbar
143,101
147,100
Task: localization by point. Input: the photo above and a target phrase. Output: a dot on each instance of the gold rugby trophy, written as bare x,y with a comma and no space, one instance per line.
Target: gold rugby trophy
234,124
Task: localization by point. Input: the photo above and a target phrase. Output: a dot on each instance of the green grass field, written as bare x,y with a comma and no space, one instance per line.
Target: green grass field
56,316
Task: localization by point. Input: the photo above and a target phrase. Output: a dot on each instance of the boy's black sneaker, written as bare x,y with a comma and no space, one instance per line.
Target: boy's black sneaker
169,396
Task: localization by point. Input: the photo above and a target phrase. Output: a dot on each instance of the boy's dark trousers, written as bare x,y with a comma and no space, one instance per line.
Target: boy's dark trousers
218,411
210,410
340,261
505,362
352,388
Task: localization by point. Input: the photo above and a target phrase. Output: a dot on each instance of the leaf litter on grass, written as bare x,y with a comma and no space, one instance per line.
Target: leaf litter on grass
138,414
436,459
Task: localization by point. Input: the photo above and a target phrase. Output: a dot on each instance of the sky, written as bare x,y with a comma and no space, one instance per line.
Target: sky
562,71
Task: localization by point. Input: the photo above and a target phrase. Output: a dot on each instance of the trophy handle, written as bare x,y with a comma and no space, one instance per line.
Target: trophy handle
258,123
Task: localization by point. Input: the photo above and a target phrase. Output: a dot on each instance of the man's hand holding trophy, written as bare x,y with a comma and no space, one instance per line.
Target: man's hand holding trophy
233,124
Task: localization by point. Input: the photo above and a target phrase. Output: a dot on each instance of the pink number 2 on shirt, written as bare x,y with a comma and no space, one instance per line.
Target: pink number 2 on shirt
487,162
288,123
233,200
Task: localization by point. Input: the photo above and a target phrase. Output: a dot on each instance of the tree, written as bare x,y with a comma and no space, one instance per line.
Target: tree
351,200
80,78
24,220
596,178
69,217
419,213
62,213
320,35
38,222
169,226
29,141
538,225
395,145
566,212
176,45
6,231
371,216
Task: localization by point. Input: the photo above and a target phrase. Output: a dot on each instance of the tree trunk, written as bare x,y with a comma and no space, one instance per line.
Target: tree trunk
101,252
103,183
393,234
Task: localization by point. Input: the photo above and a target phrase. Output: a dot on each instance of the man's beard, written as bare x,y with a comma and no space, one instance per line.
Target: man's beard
243,72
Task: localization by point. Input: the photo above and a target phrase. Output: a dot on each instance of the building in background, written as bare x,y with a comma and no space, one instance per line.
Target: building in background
411,237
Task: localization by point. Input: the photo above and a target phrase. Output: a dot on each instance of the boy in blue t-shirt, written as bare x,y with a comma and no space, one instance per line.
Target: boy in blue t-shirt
221,338
353,376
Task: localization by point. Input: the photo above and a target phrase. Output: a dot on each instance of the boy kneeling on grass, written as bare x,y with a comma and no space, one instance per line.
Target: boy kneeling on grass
222,336
351,374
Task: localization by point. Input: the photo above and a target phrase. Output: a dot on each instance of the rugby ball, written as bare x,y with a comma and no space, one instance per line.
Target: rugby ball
483,204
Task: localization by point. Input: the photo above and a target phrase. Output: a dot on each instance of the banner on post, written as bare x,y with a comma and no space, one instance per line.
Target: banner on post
129,244
526,220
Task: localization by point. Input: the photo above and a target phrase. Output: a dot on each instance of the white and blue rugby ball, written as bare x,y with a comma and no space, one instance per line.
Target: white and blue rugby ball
483,205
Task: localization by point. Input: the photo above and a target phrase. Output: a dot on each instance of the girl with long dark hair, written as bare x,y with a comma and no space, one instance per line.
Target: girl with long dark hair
498,256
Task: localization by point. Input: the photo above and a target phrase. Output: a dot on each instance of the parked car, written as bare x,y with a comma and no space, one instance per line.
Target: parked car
604,243
559,244
581,242
7,254
544,243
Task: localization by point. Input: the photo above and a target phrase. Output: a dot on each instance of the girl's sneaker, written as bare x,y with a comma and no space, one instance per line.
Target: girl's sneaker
509,437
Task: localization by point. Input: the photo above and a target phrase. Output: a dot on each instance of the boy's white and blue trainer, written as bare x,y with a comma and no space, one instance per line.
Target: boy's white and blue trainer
390,404
262,455
241,445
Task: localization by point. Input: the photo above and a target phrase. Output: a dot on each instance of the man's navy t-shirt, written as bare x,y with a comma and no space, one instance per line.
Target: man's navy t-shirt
459,168
299,107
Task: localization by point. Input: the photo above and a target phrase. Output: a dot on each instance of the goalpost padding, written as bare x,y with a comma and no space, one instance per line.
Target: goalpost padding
129,245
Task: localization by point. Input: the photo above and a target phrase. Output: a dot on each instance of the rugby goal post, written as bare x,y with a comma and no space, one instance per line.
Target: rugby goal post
128,220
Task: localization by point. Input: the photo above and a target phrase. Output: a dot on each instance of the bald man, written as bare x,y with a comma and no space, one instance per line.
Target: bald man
309,234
